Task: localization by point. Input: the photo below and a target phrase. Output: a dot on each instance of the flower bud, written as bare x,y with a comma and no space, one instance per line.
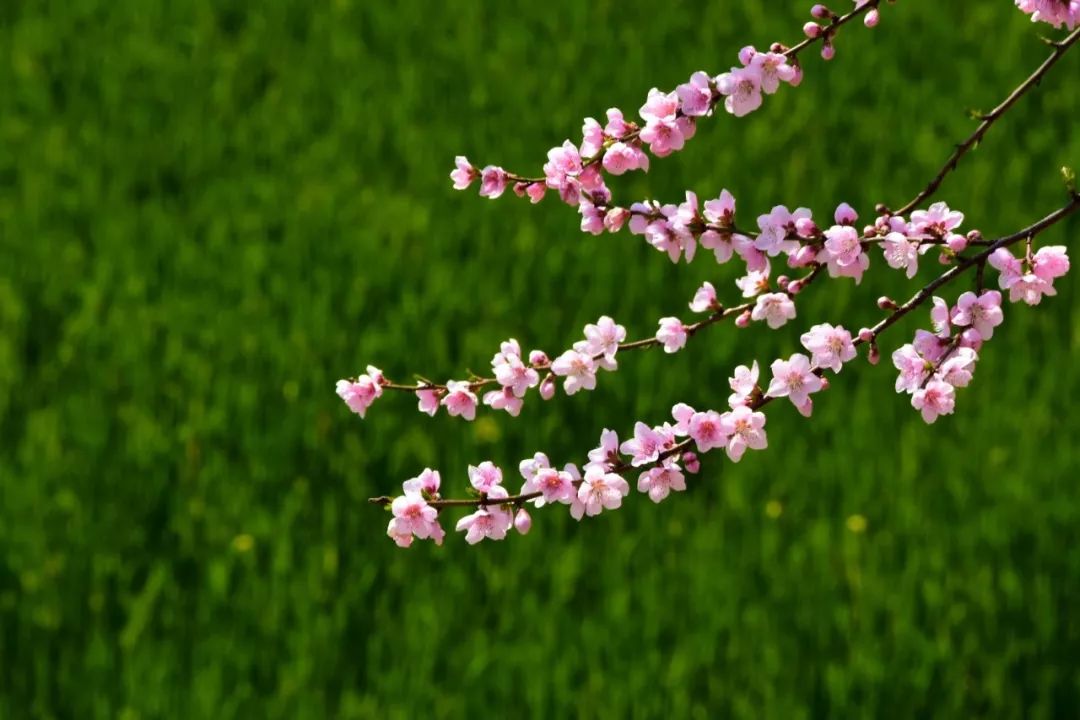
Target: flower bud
547,387
872,18
828,52
956,242
874,356
866,335
522,522
821,12
974,236
691,463
886,303
615,217
743,320
794,287
538,358
806,228
811,30
782,282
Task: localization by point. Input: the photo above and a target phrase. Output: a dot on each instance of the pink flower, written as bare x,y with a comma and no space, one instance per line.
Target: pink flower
754,283
830,347
937,221
704,299
592,218
855,270
1050,263
721,211
493,182
912,366
982,312
937,398
939,318
578,368
606,455
664,131
464,174
746,429
490,521
599,491
957,370
1010,268
774,308
603,338
901,253
658,482
360,394
592,138
743,384
615,218
775,228
672,334
621,157
428,400
741,89
616,125
645,446
511,372
772,67
530,466
793,379
706,429
485,476
413,515
426,482
554,485
460,399
843,244
1054,12
695,97
504,399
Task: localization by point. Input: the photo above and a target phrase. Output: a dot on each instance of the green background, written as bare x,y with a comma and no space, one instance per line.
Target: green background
211,211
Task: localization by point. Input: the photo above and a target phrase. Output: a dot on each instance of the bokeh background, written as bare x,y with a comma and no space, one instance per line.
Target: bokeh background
212,210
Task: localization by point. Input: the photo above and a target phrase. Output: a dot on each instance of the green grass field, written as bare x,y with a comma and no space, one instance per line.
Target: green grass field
210,212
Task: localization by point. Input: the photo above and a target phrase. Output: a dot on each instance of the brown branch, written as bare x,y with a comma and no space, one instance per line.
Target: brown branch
988,120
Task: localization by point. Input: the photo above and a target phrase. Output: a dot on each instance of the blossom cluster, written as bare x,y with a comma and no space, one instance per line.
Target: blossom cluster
939,361
1054,12
667,120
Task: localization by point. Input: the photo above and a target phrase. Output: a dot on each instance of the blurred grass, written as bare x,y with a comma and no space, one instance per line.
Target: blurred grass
210,211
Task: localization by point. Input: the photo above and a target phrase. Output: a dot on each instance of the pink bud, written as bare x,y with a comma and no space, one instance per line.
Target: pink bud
811,30
886,303
824,383
797,80
794,287
845,215
803,256
866,335
538,358
615,217
872,18
821,12
522,522
536,191
743,320
691,463
944,258
778,47
828,52
806,228
956,242
747,54
869,230
547,387
974,236
782,282
874,356
520,188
